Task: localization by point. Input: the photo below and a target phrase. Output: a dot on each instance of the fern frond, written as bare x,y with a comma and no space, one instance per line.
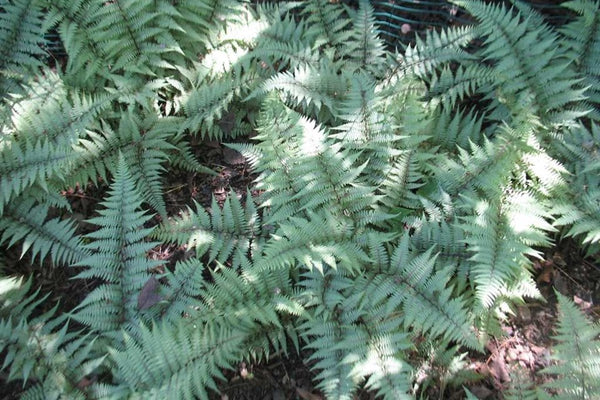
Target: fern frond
185,285
232,232
334,374
447,239
205,105
118,258
48,110
145,145
452,86
27,222
577,206
520,387
312,243
184,158
176,360
23,165
283,45
198,19
311,87
437,48
365,128
582,215
377,344
327,24
583,43
577,354
21,40
406,174
487,169
75,26
128,34
39,349
411,284
543,74
500,236
366,49
302,170
456,128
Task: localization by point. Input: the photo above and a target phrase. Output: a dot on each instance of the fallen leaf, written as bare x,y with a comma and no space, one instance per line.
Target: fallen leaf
84,382
306,395
481,392
546,274
227,123
148,295
233,157
583,305
499,369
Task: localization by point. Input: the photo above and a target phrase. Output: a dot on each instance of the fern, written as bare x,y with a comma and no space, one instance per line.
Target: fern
507,38
41,237
21,41
374,343
143,142
327,25
41,351
368,50
578,208
583,41
450,87
314,87
23,165
578,367
75,24
118,258
438,47
398,199
232,232
412,285
185,284
499,252
175,359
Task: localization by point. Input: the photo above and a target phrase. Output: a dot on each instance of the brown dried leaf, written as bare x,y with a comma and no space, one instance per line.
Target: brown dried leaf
547,274
148,295
306,395
233,157
499,369
227,123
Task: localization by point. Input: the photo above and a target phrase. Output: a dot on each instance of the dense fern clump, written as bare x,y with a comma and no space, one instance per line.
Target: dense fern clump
399,199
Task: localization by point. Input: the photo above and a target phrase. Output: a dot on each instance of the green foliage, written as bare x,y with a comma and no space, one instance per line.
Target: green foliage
40,348
398,202
21,40
118,257
234,231
577,354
